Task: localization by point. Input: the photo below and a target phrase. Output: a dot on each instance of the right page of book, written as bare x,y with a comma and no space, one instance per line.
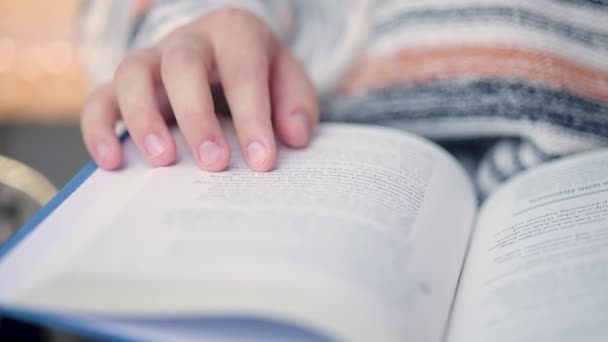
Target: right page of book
537,268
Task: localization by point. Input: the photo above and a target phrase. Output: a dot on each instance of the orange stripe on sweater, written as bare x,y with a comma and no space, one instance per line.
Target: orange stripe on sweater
141,6
426,64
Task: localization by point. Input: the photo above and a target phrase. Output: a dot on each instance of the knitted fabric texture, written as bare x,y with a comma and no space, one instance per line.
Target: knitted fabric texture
504,84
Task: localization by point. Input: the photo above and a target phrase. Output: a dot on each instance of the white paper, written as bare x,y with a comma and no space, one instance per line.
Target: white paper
361,235
538,265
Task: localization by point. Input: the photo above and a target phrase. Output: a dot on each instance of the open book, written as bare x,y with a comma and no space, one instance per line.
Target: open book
363,236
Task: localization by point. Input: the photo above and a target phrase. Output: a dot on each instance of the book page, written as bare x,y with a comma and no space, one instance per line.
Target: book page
537,269
361,236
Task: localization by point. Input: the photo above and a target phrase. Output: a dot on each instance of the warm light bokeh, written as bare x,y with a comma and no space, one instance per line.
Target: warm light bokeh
40,74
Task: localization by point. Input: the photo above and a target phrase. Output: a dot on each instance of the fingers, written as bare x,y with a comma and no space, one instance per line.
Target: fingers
243,56
97,125
184,68
261,81
294,102
136,84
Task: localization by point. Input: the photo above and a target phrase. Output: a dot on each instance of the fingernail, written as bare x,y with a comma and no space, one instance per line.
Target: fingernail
210,153
155,145
103,151
257,154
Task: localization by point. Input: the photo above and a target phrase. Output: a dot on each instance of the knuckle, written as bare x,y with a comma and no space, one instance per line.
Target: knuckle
92,107
92,100
253,71
131,65
180,54
238,76
98,102
232,13
240,20
243,26
104,92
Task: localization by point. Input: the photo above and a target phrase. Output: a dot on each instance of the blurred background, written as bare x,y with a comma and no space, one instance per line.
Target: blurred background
42,87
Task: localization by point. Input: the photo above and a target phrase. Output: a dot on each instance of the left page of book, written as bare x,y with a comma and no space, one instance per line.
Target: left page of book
360,236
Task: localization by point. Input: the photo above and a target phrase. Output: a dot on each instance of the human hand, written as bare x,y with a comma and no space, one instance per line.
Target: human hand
262,82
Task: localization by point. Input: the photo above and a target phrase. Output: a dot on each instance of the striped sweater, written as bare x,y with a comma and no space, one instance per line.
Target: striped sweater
503,84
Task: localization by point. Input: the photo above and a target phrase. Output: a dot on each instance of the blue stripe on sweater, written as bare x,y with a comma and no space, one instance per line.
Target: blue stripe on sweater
596,3
514,100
